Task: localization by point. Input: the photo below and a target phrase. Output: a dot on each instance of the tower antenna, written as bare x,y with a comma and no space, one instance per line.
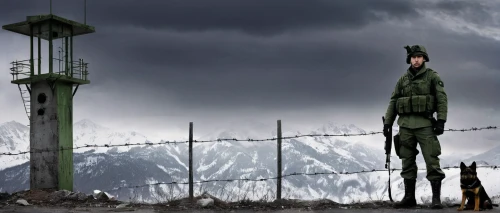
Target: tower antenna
50,7
85,12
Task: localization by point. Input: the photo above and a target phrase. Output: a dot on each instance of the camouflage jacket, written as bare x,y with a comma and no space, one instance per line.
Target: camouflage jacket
416,98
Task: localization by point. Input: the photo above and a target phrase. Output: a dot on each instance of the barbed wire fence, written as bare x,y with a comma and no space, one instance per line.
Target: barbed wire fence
286,175
224,139
279,140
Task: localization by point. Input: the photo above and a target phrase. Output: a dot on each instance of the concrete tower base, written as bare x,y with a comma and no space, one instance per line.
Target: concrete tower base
50,131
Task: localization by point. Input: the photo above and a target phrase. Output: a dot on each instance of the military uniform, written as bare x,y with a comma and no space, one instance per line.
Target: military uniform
417,95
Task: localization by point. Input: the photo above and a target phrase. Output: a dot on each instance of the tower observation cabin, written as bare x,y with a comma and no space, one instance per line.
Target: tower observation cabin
50,28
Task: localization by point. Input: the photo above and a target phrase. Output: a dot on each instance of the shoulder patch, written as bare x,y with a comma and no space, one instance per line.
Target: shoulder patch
441,83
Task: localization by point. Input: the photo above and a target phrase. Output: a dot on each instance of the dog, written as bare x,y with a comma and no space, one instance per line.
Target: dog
472,189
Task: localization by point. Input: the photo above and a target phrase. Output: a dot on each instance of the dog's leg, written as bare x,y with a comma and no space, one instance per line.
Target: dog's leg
476,199
476,203
463,201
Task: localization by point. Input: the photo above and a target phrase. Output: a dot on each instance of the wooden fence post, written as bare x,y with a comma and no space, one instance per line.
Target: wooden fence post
278,189
191,160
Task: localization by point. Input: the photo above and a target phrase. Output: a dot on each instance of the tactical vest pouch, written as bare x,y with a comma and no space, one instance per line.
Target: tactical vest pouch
415,104
403,105
419,103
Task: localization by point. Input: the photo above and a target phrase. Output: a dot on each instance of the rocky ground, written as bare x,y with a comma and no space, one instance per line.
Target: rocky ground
74,200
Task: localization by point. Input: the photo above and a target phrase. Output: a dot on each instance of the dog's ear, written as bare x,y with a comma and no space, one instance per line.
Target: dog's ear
473,165
462,166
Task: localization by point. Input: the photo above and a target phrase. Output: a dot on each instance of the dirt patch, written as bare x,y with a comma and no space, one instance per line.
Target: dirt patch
323,204
56,198
35,196
67,199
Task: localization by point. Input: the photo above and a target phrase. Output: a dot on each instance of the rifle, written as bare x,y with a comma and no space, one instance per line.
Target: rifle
388,147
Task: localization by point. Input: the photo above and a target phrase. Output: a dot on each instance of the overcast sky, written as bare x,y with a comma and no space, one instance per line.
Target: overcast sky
155,67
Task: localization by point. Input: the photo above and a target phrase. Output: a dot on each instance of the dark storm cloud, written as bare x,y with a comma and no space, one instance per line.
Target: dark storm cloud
256,16
322,68
235,70
140,45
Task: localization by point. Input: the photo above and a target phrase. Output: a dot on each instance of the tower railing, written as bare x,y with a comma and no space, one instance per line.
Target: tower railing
22,68
79,69
75,69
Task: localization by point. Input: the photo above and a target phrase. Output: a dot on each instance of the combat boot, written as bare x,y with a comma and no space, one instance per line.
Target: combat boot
436,195
408,200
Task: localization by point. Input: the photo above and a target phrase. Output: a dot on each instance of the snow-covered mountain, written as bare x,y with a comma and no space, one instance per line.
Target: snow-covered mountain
87,132
108,168
14,138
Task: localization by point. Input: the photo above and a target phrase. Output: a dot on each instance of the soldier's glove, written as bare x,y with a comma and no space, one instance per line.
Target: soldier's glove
439,128
387,128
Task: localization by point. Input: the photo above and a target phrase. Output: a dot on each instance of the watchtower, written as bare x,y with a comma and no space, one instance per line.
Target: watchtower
48,97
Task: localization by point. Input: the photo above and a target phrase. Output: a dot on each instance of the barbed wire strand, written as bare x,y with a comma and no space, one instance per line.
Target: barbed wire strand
283,176
227,139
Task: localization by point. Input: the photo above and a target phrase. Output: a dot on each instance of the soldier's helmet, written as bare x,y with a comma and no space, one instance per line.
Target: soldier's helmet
416,50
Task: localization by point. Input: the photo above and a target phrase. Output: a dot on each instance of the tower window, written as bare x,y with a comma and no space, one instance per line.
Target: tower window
42,98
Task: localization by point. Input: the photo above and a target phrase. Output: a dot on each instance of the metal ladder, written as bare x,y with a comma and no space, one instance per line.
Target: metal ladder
26,96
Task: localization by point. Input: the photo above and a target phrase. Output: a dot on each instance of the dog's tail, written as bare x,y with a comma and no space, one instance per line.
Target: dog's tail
488,205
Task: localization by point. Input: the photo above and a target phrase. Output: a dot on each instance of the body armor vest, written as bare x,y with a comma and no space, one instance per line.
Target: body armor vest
417,95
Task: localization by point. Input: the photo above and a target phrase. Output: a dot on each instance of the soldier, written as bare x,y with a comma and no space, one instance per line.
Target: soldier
417,95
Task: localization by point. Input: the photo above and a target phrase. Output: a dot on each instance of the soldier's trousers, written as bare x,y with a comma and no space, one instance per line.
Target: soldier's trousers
430,147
